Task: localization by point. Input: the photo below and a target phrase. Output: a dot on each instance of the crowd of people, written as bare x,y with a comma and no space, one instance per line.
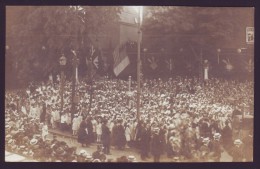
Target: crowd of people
181,117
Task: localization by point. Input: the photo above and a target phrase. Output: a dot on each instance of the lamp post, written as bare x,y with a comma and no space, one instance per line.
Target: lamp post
75,63
219,50
139,61
63,62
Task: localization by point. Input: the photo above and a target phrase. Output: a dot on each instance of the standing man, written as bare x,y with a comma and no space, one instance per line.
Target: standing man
216,147
237,151
105,137
145,138
156,145
43,113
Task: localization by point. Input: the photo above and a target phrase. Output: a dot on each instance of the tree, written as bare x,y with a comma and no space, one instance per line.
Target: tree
195,31
42,33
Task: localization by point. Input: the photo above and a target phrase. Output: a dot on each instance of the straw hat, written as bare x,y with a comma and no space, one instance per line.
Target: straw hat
33,141
205,140
89,158
83,152
131,158
217,135
238,142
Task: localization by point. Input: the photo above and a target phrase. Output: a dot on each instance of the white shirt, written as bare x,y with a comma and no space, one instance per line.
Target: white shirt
63,119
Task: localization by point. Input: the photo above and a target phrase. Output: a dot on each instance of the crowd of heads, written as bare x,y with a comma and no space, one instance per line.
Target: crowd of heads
187,113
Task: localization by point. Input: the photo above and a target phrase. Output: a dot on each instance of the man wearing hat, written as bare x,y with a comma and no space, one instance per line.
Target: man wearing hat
82,156
248,146
237,151
105,137
156,145
120,139
216,147
99,154
131,159
205,149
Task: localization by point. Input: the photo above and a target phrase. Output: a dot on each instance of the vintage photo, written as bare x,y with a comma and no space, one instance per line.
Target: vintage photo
129,84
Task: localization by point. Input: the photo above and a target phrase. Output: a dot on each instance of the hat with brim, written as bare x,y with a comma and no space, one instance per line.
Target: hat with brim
33,141
96,161
205,140
238,142
131,158
22,147
8,136
176,158
89,158
217,135
11,141
83,152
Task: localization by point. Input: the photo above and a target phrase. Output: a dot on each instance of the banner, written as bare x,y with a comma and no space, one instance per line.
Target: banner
250,35
121,60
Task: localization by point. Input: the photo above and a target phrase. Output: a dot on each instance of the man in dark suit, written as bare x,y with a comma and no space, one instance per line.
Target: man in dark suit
156,145
105,137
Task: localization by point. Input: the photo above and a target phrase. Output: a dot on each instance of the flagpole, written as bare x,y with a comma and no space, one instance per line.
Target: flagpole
138,63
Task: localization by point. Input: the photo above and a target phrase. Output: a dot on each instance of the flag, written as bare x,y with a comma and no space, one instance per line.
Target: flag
153,63
169,64
229,67
249,66
121,60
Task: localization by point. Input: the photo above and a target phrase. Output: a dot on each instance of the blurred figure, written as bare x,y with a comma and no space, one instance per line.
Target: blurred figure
105,137
156,145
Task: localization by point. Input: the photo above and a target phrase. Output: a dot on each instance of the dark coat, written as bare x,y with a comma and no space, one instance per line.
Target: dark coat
145,138
82,134
237,154
90,134
43,113
227,137
120,139
248,148
216,149
156,144
105,137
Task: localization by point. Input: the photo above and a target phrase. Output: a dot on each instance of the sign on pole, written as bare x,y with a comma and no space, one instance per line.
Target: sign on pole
250,35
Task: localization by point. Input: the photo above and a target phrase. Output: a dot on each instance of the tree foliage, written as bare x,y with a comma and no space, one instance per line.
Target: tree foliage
195,25
190,33
40,34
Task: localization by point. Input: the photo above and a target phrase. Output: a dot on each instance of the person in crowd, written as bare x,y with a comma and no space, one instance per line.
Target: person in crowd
119,133
94,124
227,136
248,146
182,113
63,120
45,131
237,151
75,125
43,113
216,147
144,138
99,130
83,134
99,154
105,137
156,145
127,135
89,127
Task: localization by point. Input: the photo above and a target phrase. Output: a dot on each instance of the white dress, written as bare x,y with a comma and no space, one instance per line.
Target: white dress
127,134
99,129
45,131
75,124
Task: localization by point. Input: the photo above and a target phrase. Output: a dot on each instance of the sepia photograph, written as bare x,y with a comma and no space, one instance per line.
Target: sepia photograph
129,84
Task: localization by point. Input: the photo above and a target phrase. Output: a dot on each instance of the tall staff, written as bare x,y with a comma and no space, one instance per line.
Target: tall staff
139,61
